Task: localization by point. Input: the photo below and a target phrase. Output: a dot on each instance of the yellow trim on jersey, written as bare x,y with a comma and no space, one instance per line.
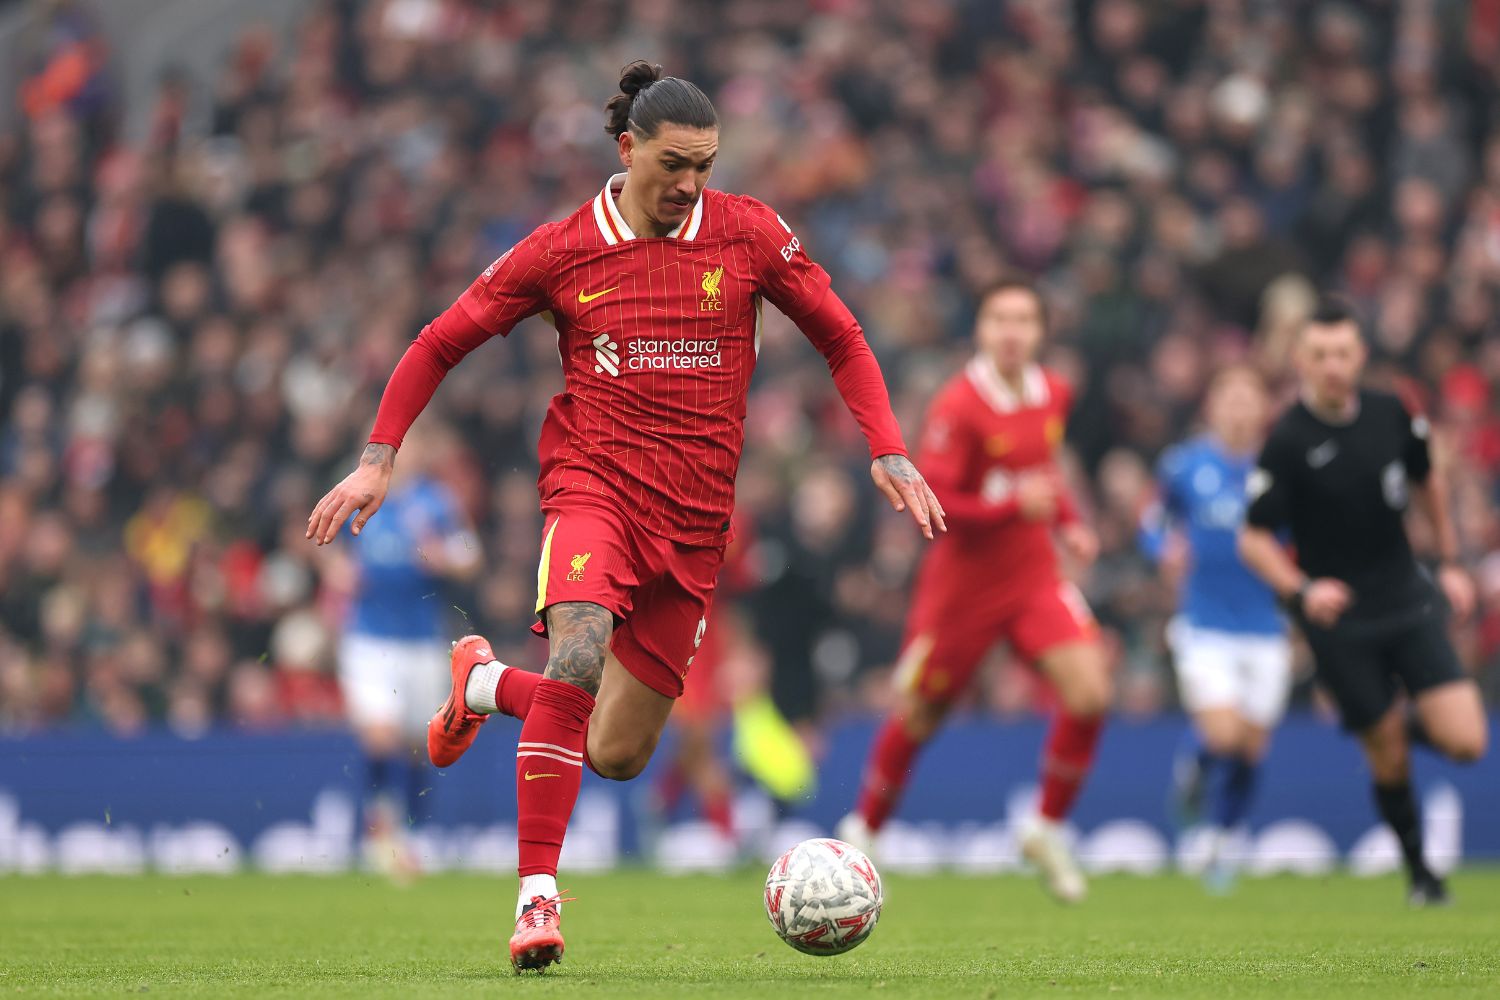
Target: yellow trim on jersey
913,659
759,322
544,567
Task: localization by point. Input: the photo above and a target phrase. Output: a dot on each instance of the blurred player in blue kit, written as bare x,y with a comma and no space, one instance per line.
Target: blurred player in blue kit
1229,639
393,659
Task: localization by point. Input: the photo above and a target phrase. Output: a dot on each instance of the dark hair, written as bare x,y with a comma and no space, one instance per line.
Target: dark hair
647,100
1333,308
1015,283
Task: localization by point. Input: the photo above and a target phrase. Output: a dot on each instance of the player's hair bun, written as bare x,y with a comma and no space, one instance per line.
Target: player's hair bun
638,76
633,79
647,100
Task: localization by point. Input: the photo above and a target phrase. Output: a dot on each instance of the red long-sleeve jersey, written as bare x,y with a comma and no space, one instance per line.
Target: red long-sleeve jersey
980,436
658,339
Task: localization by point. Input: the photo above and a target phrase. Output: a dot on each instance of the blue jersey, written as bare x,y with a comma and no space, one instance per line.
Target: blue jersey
398,596
1203,495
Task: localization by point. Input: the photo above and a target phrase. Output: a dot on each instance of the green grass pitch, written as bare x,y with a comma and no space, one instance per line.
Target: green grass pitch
633,934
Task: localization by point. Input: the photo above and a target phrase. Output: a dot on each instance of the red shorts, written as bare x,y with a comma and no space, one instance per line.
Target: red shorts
659,591
946,640
701,698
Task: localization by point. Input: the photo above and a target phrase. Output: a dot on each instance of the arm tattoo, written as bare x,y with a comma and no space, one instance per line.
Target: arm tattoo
899,468
580,634
378,454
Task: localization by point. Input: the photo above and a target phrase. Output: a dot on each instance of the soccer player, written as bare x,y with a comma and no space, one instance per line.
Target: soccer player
1338,470
655,288
1229,642
393,650
990,444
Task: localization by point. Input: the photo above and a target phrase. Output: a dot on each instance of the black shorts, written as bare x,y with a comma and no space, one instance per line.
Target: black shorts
1364,667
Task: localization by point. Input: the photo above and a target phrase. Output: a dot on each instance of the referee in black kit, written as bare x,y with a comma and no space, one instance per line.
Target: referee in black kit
1337,470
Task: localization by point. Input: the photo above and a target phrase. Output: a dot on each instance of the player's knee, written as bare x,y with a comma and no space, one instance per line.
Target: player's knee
1221,742
1089,695
619,769
921,719
1467,746
618,766
1253,745
620,759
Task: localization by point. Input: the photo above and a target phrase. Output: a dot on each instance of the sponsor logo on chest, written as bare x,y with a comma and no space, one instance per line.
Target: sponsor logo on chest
617,354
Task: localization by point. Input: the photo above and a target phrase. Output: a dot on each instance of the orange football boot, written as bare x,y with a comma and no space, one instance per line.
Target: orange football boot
453,729
538,940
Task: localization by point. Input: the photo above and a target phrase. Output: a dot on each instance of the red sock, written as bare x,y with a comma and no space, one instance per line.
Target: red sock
549,768
886,772
515,691
669,787
1066,761
718,810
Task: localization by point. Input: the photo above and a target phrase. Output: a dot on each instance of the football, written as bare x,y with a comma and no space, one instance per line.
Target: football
823,897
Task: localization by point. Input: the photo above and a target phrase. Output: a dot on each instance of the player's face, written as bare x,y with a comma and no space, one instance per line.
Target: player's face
1009,328
668,172
1237,407
1330,358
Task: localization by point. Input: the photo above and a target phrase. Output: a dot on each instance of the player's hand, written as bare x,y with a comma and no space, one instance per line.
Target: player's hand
363,490
905,488
1325,600
1079,542
1036,495
1458,588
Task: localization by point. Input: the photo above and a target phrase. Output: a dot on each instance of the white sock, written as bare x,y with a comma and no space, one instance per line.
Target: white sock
535,885
479,693
1042,824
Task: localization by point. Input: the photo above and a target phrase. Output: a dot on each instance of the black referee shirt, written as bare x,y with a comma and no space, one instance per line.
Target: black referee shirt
1342,490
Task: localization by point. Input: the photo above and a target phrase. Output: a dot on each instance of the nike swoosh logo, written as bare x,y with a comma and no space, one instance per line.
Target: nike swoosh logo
584,297
532,777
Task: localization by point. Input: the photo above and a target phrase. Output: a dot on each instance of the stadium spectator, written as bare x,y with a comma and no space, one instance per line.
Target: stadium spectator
195,322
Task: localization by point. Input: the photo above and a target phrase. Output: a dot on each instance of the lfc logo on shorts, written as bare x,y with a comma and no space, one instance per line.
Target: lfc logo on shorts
579,562
713,300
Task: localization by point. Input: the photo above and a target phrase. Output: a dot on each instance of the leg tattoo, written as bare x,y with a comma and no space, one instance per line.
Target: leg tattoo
580,634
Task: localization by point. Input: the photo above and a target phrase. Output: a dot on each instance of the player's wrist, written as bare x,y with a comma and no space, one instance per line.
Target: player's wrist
1293,599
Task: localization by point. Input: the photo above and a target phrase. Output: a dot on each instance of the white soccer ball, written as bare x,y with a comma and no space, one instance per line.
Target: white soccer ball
823,897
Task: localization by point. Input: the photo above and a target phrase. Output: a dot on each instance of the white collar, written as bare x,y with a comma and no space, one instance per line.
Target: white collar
612,224
995,391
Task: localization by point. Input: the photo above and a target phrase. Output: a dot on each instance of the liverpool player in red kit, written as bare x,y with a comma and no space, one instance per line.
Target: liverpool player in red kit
989,447
655,287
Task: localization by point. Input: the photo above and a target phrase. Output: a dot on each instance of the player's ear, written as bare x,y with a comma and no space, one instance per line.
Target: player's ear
627,148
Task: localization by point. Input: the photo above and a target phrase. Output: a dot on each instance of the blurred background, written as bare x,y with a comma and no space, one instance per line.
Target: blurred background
221,223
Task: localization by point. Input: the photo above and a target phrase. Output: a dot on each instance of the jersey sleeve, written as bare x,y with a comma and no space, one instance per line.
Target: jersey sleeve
511,288
508,291
452,526
1170,472
447,517
1416,452
785,275
834,331
1067,504
1166,511
1268,487
949,445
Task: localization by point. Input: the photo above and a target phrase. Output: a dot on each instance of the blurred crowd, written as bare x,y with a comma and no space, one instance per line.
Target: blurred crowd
196,322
